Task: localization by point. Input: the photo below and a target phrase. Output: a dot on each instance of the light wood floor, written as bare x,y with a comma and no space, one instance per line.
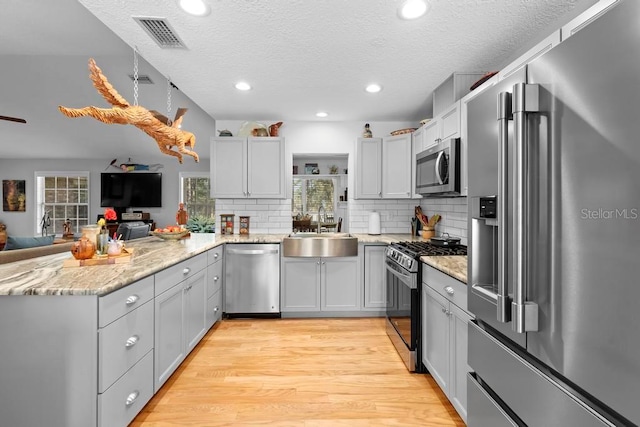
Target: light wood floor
302,372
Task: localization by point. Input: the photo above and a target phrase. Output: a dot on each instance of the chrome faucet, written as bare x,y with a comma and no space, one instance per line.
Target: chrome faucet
321,215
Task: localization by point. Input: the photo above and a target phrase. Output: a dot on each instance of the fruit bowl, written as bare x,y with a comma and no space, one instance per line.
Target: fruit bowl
170,235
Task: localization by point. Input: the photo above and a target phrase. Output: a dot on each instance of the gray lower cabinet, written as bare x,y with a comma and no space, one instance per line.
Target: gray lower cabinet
375,278
215,277
444,334
125,352
84,360
180,314
320,284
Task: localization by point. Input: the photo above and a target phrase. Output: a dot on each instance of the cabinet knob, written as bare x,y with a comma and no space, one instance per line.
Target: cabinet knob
188,288
215,278
131,299
131,341
444,310
186,270
215,255
132,398
216,308
449,290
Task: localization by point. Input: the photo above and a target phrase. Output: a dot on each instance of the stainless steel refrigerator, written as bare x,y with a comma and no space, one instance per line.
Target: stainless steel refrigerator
554,246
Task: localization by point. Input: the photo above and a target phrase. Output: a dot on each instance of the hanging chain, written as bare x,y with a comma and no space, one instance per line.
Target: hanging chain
135,76
168,101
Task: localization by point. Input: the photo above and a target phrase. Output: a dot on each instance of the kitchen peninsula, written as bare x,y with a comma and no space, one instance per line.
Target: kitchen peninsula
89,346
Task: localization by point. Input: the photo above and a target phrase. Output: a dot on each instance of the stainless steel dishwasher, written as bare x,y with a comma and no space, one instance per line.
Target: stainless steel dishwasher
252,280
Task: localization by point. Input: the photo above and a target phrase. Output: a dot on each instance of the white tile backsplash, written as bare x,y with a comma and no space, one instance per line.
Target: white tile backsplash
395,215
274,215
454,215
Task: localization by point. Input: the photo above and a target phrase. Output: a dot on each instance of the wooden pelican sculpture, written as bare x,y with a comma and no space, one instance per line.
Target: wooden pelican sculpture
167,134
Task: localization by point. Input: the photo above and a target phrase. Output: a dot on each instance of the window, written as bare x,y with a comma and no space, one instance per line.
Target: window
61,196
195,194
309,193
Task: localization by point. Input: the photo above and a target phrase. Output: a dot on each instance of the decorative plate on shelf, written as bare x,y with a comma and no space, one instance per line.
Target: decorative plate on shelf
403,131
171,235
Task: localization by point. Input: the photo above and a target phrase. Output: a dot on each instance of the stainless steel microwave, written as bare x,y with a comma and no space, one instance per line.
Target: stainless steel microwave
438,169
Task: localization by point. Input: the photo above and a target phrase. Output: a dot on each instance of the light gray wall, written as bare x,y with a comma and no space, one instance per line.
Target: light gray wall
24,223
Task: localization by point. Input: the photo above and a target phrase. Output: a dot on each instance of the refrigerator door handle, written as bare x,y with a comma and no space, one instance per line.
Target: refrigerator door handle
503,301
526,99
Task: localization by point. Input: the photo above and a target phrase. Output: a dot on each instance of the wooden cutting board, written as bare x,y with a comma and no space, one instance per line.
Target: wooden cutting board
124,257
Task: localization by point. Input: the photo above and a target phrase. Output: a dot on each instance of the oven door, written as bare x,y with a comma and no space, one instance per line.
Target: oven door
438,169
403,312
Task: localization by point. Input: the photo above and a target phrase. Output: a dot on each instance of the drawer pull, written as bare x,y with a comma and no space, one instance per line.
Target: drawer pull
131,341
449,290
132,398
186,270
132,299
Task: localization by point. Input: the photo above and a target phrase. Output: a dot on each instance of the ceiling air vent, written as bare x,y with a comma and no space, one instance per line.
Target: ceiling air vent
143,79
160,31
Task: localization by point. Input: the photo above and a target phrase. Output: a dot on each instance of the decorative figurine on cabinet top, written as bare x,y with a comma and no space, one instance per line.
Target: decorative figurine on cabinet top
367,131
181,216
274,128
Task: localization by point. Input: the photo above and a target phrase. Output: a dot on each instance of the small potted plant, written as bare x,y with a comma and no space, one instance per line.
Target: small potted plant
201,224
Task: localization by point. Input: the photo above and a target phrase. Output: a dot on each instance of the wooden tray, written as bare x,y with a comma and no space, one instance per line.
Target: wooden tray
124,257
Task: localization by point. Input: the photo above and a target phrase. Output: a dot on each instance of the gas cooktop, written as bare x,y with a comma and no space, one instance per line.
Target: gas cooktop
406,253
418,249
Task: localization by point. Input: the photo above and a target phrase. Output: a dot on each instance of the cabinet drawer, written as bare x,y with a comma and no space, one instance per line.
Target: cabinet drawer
214,278
214,309
122,343
175,274
122,301
215,254
452,289
124,400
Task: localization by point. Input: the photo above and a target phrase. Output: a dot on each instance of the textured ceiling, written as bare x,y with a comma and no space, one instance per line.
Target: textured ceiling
305,56
300,56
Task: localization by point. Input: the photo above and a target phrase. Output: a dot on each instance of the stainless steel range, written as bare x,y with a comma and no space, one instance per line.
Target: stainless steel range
403,299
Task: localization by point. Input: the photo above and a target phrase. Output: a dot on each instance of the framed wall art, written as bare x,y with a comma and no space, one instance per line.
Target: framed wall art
14,198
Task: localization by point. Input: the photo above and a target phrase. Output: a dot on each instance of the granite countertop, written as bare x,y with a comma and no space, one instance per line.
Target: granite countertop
46,275
455,266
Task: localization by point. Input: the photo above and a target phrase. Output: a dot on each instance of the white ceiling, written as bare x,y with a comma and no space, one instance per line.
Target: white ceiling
300,57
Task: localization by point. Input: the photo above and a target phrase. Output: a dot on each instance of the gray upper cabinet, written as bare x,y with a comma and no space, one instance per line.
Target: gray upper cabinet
544,46
585,18
383,167
368,168
251,167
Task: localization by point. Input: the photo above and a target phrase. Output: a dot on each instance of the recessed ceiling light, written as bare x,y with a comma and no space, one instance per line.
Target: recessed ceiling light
321,114
243,86
373,88
195,7
412,9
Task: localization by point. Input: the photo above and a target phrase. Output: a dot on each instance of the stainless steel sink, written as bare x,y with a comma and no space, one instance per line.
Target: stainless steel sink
320,245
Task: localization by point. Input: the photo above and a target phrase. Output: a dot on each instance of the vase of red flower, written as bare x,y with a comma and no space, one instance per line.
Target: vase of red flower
103,235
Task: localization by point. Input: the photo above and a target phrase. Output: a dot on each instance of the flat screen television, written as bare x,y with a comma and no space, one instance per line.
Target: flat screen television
131,190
